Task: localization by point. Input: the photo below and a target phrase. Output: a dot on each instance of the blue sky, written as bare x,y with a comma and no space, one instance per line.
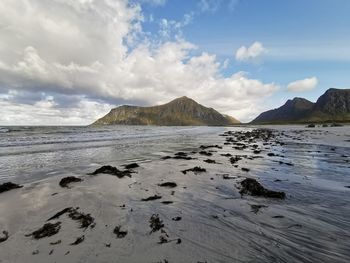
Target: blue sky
68,62
304,38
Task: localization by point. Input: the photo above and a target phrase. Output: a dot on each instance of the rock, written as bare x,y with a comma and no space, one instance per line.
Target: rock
67,180
9,186
278,216
311,125
131,166
46,231
78,241
177,218
196,169
235,159
56,242
256,208
168,184
245,169
85,220
120,234
107,169
209,161
167,202
155,223
5,237
252,187
58,214
210,146
227,176
205,153
151,198
162,240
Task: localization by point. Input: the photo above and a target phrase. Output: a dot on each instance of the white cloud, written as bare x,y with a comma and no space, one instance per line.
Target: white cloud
209,5
303,85
252,53
67,61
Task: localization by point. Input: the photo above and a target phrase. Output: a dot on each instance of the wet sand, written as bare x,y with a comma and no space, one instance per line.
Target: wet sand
205,217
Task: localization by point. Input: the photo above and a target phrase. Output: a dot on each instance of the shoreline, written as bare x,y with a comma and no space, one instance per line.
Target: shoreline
217,222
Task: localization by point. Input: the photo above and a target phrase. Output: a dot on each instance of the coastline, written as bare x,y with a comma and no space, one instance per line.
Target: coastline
217,223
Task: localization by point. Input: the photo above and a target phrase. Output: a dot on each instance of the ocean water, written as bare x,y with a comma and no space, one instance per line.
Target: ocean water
31,153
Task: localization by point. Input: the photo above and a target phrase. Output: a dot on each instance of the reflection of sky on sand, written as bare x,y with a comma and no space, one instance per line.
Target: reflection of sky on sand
217,225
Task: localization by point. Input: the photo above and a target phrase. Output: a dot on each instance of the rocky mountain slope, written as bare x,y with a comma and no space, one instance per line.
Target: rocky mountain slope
179,112
332,106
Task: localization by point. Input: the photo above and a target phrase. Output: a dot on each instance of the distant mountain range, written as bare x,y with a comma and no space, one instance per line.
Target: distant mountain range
179,112
332,106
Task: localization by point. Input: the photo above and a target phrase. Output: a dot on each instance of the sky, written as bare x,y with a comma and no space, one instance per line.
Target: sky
68,62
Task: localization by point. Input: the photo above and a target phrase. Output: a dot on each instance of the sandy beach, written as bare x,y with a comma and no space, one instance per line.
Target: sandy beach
162,211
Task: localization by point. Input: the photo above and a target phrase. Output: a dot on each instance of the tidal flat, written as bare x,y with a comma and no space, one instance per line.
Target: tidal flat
175,194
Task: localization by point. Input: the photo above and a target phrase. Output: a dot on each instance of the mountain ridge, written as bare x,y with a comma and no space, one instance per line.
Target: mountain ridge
332,106
182,111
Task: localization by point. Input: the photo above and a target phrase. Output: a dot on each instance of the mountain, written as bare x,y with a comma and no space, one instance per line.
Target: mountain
333,105
179,112
291,111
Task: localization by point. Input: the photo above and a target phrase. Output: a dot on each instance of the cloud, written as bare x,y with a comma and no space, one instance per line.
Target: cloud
252,53
69,62
303,85
214,5
209,5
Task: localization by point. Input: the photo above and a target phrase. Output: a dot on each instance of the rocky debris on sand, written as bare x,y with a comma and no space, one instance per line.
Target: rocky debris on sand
227,176
210,146
151,198
131,166
5,237
205,153
196,169
85,220
253,187
289,164
107,169
56,242
67,180
78,241
47,230
167,202
178,156
235,159
120,233
209,161
58,214
9,186
163,239
168,184
256,208
311,125
155,223
226,154
278,216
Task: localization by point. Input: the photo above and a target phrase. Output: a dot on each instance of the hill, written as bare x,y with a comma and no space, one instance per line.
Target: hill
182,111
